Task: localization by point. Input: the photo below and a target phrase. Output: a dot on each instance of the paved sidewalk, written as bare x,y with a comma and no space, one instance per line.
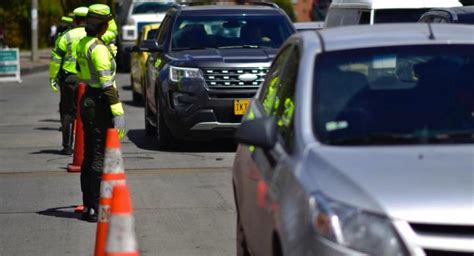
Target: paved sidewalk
27,66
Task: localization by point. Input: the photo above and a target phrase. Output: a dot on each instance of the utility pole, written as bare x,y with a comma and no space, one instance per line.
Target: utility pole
34,30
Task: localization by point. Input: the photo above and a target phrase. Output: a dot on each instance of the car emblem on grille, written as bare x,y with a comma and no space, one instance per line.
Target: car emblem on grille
248,77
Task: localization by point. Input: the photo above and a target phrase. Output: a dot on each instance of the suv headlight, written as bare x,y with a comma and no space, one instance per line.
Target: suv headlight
178,73
353,228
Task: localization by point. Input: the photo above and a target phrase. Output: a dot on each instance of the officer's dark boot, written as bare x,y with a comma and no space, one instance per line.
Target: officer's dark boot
67,137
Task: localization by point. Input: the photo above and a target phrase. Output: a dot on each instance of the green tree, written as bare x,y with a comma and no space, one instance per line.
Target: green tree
287,6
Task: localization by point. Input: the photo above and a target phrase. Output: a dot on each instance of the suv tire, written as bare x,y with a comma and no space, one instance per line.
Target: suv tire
149,129
164,138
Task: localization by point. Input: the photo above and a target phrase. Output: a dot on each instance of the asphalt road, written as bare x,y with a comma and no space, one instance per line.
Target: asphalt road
182,199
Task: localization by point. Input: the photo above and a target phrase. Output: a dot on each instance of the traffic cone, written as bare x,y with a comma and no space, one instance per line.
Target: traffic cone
112,175
79,135
121,239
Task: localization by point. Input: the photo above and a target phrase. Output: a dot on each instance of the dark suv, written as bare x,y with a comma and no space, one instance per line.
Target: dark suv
205,65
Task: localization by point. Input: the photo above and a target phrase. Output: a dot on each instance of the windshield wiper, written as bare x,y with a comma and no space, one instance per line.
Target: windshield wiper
244,46
191,48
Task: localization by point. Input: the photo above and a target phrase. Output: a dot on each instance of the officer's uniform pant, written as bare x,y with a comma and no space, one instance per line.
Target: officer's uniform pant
68,84
97,117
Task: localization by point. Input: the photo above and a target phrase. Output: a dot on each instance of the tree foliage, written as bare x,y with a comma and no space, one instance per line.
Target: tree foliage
287,6
17,18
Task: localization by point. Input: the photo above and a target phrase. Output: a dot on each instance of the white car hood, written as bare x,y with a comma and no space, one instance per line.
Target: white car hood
420,184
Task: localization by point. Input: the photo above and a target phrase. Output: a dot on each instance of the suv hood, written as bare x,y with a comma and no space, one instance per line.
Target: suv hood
215,57
420,184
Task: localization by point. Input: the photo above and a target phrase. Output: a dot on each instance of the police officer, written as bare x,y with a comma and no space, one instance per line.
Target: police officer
62,72
64,25
100,107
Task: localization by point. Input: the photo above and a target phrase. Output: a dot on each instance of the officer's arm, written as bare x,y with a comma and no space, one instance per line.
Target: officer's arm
102,58
57,56
111,34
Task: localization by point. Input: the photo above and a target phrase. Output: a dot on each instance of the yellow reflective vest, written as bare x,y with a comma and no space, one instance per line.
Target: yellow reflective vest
96,64
97,68
64,53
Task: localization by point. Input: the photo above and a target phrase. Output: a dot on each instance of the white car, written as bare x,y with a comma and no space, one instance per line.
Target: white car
141,13
358,12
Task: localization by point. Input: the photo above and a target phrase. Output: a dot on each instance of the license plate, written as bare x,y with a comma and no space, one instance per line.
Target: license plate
240,106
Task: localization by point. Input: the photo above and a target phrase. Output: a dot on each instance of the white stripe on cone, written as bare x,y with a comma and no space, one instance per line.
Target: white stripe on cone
113,162
121,237
107,187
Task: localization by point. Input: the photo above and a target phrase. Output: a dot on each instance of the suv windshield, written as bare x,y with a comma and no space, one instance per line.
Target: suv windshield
196,32
396,95
151,7
398,15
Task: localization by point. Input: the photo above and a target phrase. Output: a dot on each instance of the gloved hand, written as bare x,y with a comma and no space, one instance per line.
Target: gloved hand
53,84
113,49
119,124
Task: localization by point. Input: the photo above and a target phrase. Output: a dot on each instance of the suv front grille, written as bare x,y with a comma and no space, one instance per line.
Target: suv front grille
234,78
444,235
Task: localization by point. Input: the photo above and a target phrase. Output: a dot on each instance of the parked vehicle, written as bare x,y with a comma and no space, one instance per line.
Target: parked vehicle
360,142
462,15
208,61
303,26
140,13
138,60
354,12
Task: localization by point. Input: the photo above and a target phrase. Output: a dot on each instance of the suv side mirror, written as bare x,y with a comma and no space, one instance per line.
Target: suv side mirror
150,46
260,132
132,49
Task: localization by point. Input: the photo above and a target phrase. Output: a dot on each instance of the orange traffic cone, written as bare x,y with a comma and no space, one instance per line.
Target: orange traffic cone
121,239
75,166
113,174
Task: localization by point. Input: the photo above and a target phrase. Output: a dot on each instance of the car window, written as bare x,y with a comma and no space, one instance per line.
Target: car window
427,18
364,17
406,94
340,17
230,31
440,20
272,81
284,108
398,15
165,28
152,33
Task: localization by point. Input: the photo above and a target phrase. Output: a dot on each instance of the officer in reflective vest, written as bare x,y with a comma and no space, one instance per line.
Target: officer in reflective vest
64,25
100,107
63,74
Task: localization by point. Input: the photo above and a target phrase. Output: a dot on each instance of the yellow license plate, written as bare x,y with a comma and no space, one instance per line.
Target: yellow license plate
240,106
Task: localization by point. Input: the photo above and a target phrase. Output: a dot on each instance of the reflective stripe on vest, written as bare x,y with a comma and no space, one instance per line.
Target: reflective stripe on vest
94,80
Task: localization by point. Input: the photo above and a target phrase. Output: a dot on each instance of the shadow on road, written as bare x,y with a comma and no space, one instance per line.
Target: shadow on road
47,128
61,212
47,151
142,141
131,103
50,120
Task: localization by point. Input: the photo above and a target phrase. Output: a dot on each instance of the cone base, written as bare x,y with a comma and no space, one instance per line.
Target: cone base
73,168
